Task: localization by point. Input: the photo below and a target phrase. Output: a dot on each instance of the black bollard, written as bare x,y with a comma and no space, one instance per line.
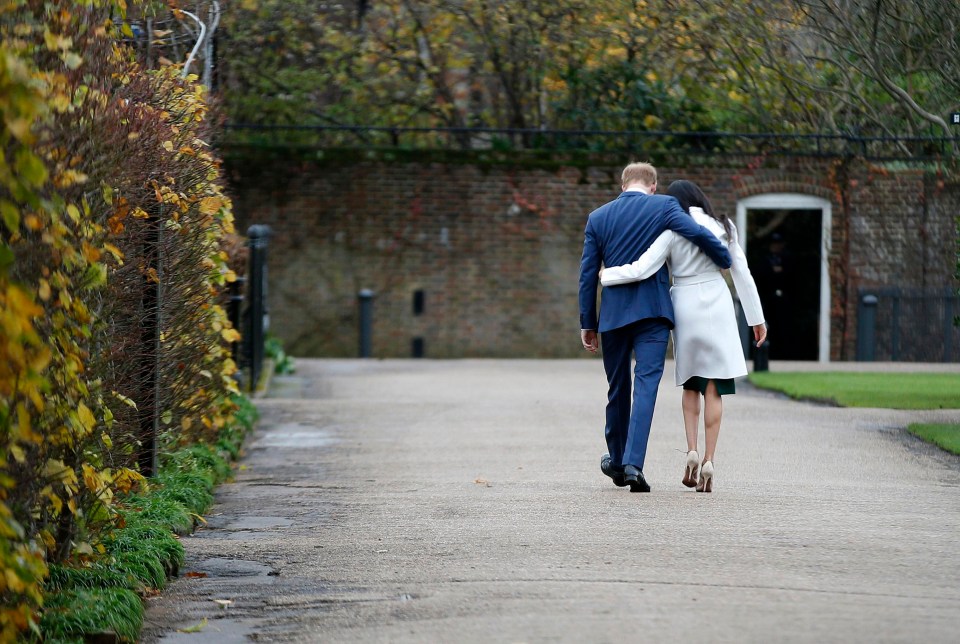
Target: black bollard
257,239
366,321
867,328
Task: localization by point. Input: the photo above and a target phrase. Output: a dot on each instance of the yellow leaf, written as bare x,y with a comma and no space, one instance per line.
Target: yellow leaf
116,252
210,205
55,42
105,437
44,290
47,539
14,583
230,335
71,60
86,417
18,454
69,177
124,479
186,423
54,469
90,253
196,628
41,359
91,478
168,146
23,423
126,401
20,128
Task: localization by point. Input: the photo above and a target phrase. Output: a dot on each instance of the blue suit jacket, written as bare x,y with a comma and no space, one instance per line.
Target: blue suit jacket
618,233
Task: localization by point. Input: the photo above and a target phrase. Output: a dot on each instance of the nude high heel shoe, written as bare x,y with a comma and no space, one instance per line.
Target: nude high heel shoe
706,477
692,469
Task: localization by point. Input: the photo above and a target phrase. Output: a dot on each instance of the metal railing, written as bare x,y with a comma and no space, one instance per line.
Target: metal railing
908,324
513,139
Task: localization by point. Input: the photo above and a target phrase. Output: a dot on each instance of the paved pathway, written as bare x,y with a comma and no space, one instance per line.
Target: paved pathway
461,501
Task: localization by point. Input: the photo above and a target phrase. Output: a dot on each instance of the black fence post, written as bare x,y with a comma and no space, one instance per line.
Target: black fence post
365,296
258,236
234,310
148,403
867,328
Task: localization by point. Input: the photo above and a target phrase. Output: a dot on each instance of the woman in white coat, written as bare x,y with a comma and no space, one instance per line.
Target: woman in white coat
706,342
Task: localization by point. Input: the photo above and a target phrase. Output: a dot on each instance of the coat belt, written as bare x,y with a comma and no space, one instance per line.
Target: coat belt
690,280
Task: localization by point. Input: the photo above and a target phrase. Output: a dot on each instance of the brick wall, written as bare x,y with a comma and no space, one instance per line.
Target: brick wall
495,246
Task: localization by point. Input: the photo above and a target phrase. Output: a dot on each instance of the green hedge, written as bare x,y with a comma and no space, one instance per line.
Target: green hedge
105,595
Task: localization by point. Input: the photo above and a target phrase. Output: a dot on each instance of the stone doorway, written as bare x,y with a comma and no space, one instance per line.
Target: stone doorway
786,239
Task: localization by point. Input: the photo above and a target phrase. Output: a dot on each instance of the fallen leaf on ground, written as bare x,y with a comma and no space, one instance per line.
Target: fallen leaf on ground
223,602
483,482
195,574
196,628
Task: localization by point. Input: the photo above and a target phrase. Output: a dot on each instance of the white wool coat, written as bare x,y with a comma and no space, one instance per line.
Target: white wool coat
706,341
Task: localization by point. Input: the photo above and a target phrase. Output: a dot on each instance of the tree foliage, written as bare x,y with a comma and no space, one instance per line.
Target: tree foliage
854,67
106,190
859,67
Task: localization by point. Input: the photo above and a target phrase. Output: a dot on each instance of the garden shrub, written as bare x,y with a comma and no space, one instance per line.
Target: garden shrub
108,193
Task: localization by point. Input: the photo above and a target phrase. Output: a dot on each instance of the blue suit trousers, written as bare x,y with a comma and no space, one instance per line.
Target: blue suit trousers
628,426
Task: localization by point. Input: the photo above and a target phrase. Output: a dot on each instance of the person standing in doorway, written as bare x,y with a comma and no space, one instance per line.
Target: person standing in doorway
774,274
634,320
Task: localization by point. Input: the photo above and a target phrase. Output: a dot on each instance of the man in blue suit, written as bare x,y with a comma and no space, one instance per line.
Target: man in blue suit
635,318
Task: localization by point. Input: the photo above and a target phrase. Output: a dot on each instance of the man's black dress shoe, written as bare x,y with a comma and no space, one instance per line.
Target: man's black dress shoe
615,473
634,478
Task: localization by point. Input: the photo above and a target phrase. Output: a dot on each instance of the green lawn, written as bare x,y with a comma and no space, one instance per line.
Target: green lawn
944,436
856,389
883,390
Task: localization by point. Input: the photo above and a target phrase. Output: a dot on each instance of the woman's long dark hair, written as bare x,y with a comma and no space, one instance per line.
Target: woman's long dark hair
689,194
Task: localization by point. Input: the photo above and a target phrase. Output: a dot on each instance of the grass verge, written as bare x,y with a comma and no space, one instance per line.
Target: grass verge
104,598
856,389
943,436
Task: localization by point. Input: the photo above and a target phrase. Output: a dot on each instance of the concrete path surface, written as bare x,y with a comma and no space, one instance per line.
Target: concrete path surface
461,501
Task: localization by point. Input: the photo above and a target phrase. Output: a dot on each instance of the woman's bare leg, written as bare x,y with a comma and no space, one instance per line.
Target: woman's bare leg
691,417
713,411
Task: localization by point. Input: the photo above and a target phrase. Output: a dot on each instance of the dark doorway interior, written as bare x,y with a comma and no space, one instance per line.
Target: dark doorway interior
783,248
